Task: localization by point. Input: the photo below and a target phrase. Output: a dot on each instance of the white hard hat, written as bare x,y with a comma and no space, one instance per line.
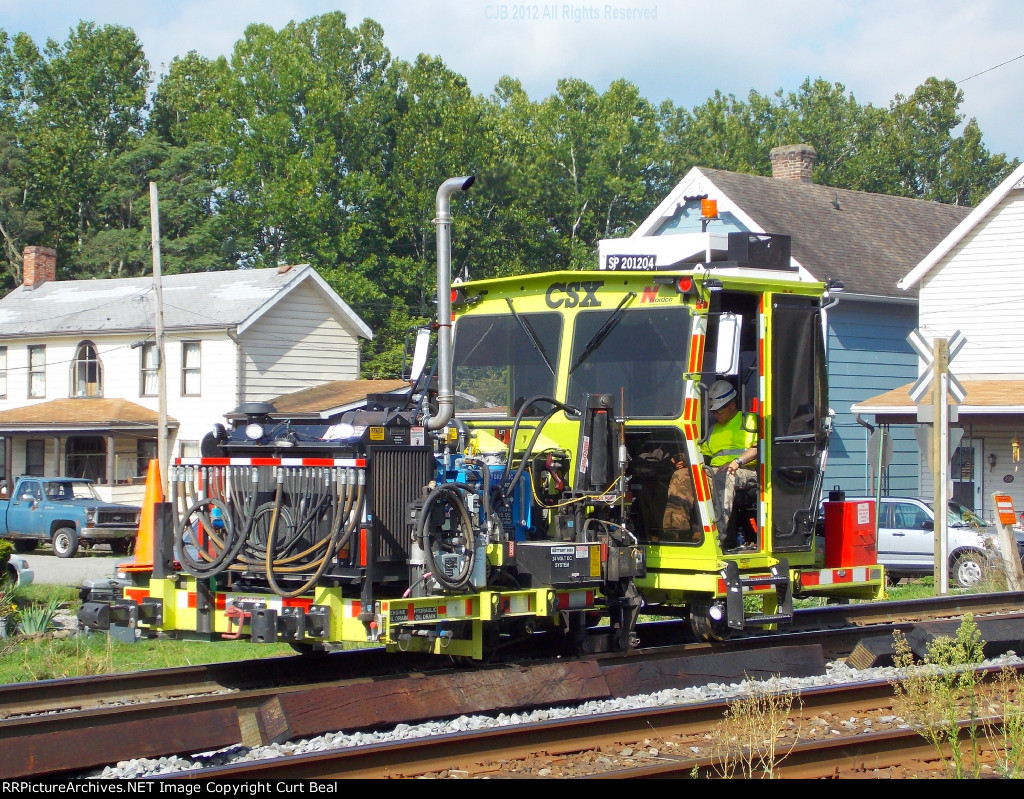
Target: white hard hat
721,394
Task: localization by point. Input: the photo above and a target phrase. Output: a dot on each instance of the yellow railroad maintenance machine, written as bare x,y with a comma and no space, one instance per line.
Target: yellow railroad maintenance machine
544,476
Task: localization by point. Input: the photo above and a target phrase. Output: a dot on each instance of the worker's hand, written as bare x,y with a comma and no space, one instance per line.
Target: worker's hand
733,466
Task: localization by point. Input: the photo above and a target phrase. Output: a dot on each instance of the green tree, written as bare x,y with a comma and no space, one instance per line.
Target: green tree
89,97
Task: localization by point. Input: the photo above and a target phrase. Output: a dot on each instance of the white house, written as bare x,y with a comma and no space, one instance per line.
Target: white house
973,281
79,378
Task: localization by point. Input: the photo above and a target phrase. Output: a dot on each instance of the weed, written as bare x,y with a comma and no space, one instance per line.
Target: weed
37,618
941,693
1007,739
746,742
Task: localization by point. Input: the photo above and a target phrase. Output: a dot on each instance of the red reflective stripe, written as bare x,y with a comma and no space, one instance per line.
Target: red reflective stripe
138,594
356,608
317,461
690,409
362,546
220,601
215,461
191,600
410,613
809,578
297,602
842,576
696,352
721,586
266,461
700,482
563,601
469,607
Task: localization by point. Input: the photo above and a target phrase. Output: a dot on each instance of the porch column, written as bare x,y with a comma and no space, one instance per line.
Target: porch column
9,460
58,467
110,460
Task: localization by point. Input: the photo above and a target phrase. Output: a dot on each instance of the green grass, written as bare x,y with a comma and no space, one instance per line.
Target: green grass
47,657
25,659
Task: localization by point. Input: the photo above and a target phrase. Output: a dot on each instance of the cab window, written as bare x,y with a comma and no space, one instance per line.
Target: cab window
502,361
638,355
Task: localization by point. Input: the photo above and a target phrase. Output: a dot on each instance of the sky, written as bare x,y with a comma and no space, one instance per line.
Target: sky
681,50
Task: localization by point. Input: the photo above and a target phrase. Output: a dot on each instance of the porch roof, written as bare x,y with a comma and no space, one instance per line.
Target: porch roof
985,397
82,415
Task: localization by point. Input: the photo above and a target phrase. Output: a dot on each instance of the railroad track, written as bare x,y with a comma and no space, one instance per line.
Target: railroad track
850,731
176,711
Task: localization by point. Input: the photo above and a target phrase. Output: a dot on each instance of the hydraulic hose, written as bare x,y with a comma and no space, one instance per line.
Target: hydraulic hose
450,493
511,481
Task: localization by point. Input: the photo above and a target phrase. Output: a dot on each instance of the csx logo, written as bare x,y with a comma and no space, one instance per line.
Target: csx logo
568,294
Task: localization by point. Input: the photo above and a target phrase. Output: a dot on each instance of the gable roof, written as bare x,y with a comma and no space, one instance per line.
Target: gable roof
193,301
865,240
1015,180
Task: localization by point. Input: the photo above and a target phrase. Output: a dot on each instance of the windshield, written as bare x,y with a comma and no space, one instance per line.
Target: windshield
502,360
959,516
70,490
638,355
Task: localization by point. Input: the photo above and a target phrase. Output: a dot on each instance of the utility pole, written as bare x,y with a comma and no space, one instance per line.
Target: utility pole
940,460
161,370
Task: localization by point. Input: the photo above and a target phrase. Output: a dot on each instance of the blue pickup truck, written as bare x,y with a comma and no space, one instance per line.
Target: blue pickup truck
66,512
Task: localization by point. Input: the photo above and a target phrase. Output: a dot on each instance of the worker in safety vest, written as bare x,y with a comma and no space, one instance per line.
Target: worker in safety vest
731,446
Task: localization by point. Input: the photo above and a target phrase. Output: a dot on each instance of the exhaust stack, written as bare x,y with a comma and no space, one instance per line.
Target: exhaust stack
445,378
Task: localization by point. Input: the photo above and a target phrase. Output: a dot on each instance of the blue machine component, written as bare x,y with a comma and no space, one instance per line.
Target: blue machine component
515,513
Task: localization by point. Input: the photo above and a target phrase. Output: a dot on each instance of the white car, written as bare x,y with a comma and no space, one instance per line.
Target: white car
906,540
19,571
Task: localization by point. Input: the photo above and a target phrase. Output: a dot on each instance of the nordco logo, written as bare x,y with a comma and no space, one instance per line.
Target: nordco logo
568,294
650,297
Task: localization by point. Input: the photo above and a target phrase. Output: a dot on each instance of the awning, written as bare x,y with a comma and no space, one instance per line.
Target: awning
82,415
988,398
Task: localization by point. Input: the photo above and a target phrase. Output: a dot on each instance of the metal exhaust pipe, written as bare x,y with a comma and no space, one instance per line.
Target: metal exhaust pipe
445,377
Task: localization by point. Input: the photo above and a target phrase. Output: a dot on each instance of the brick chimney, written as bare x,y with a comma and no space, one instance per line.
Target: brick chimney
39,264
793,162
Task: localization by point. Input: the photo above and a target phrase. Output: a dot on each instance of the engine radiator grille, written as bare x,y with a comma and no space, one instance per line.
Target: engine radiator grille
396,478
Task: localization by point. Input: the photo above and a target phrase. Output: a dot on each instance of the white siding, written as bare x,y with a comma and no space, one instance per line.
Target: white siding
121,377
295,345
979,288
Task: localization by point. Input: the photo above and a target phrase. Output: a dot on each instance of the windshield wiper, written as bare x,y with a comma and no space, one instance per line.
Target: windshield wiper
602,334
532,336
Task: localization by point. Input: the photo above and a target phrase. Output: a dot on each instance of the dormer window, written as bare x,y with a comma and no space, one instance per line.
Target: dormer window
86,372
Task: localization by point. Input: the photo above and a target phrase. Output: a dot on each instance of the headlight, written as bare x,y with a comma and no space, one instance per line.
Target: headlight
254,431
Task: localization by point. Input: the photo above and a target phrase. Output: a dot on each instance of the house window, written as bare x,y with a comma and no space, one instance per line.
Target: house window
148,378
37,371
145,451
87,457
190,369
188,449
86,372
35,457
3,373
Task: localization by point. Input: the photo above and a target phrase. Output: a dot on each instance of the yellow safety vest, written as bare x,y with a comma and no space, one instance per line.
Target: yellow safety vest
728,441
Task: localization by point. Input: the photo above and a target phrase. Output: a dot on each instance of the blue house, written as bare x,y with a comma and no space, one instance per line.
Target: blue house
866,241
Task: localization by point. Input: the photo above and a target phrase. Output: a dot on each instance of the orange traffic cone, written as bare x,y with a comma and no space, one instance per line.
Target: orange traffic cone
144,540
